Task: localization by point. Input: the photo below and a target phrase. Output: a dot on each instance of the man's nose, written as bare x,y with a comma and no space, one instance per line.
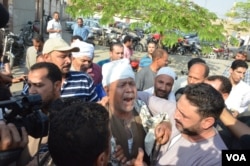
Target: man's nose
32,90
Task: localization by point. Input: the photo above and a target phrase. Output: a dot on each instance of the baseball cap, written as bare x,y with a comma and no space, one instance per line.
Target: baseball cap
57,44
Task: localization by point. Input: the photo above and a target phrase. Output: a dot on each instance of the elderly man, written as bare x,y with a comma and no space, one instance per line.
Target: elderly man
128,115
194,140
83,61
162,88
116,51
74,84
196,74
146,76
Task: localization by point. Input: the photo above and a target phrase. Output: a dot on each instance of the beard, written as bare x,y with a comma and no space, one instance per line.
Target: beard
191,131
161,94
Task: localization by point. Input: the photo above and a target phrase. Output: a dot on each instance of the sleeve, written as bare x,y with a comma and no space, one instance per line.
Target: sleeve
50,25
139,80
93,97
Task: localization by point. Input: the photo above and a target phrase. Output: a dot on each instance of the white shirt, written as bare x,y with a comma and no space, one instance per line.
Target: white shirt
239,97
55,25
171,96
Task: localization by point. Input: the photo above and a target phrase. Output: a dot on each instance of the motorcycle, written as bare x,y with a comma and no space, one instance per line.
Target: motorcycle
186,48
27,32
110,37
13,47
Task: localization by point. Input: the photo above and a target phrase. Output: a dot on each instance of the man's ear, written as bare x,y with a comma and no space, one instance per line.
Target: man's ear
225,95
102,159
46,57
106,88
57,85
207,122
230,71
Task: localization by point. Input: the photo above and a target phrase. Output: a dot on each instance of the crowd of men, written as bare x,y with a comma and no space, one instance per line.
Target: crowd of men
106,114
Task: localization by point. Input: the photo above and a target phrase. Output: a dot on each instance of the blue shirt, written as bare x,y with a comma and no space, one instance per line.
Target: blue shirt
81,31
145,61
76,84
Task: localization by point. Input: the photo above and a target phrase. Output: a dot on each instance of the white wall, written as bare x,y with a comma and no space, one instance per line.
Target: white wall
22,12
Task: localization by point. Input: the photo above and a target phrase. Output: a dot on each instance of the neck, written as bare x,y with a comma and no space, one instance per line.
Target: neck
121,114
206,134
232,81
154,67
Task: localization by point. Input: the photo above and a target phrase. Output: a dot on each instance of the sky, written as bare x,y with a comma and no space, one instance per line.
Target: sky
219,7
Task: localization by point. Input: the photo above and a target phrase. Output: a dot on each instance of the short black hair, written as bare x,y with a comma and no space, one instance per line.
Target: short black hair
127,38
239,63
111,48
38,38
75,37
225,86
208,100
79,134
195,60
54,73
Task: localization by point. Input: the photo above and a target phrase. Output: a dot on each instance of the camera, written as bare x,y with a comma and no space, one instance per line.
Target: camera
26,111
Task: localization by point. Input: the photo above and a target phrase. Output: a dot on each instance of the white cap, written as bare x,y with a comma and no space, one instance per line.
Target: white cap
86,49
115,70
167,71
57,44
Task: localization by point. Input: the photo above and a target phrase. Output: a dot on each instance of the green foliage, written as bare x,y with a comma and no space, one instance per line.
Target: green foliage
241,12
234,41
165,16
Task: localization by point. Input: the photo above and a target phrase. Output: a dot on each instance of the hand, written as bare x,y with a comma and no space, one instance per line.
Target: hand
139,159
10,137
104,101
163,132
18,79
119,154
235,114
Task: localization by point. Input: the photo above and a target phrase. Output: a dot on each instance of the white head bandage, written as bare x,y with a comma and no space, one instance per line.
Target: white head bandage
86,49
115,70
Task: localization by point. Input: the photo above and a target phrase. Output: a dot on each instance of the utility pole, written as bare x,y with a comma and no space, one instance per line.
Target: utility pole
41,16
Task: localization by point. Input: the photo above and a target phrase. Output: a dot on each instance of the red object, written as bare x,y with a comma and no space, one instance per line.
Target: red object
134,64
156,36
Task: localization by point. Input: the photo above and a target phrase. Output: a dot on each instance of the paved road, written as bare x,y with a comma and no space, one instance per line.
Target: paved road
177,62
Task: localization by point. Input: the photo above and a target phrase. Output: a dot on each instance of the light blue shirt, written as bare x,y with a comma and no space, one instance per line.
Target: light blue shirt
81,31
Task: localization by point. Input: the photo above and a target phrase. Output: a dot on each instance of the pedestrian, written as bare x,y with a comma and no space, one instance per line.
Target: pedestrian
54,27
81,30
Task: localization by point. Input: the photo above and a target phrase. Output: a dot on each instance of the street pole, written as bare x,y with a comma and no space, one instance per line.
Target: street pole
41,17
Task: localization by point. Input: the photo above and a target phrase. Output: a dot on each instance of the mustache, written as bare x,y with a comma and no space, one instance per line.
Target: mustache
177,121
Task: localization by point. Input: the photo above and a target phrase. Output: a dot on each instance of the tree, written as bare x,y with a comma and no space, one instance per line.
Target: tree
165,16
241,12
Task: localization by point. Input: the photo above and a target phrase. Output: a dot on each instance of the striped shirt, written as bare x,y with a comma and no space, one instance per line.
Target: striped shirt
76,84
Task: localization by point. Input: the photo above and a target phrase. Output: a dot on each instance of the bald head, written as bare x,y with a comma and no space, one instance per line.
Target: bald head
197,73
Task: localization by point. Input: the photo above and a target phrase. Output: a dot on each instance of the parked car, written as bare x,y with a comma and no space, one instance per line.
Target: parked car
242,48
93,25
68,25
